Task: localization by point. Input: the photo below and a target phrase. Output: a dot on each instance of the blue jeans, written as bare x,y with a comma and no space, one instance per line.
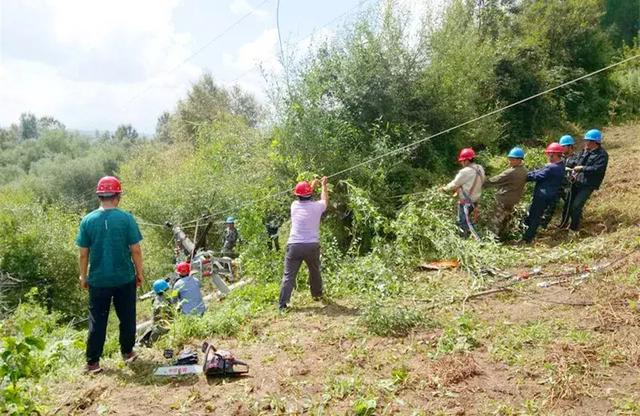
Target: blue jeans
124,302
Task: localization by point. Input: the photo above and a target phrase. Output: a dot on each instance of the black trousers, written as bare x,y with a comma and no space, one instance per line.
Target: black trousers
124,302
572,212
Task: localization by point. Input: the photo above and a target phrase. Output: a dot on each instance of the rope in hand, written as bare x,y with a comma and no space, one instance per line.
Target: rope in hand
415,143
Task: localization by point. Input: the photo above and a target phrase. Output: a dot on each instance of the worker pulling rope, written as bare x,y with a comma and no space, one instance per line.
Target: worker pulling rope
415,143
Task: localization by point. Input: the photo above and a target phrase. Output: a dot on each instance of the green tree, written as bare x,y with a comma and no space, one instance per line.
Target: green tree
207,102
622,20
163,132
28,126
125,133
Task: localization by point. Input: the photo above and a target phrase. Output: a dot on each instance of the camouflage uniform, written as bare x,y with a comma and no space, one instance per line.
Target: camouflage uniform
500,218
510,185
230,240
163,313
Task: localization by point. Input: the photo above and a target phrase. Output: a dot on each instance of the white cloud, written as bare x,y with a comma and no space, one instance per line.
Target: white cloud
93,64
242,7
260,52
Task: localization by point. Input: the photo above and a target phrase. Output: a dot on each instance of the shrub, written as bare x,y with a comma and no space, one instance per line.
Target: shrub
460,335
390,320
37,248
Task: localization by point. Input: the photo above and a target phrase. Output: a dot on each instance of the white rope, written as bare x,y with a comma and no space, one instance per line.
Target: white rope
499,110
450,129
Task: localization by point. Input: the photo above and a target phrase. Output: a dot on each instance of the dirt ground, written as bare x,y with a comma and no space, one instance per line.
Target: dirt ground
568,349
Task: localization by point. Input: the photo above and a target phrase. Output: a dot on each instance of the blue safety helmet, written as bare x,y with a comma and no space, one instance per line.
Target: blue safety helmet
567,140
231,220
160,286
516,153
593,135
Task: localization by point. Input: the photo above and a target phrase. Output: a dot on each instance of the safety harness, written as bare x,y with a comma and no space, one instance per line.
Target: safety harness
468,204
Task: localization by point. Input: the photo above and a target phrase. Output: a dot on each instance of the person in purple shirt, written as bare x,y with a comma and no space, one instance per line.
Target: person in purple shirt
548,181
304,240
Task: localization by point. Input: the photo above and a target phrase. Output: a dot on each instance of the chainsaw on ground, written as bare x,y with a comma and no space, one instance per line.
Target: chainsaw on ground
221,363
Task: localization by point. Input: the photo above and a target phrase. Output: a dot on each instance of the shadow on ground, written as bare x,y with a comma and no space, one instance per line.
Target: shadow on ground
141,372
328,309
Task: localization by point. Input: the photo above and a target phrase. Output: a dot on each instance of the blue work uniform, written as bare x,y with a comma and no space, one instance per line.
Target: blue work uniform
594,164
189,296
548,184
570,161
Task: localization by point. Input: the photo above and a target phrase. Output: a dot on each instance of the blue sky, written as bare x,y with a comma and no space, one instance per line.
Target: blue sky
97,64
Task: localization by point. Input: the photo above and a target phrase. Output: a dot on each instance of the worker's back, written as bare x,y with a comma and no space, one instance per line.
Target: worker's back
189,295
108,234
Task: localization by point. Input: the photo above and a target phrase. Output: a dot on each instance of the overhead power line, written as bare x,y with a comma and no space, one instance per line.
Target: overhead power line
440,133
316,30
199,50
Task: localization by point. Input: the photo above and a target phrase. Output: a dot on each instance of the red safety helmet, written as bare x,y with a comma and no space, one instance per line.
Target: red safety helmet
183,268
466,154
108,185
554,148
303,189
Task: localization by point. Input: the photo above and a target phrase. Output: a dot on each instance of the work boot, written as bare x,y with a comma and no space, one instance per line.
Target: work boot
129,357
92,368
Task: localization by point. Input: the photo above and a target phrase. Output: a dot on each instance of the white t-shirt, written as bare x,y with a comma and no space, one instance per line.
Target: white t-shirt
465,180
305,221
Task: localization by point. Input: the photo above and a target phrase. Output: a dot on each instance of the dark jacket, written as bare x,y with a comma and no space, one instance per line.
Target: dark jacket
572,160
595,165
230,238
548,180
510,184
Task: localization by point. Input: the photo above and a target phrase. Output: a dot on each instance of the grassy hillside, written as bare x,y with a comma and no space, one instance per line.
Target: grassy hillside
571,348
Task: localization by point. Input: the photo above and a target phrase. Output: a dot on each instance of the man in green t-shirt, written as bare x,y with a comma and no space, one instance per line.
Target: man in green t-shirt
111,269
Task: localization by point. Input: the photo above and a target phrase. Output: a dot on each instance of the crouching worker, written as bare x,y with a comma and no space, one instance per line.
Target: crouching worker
230,238
468,185
163,313
304,240
187,290
510,185
548,181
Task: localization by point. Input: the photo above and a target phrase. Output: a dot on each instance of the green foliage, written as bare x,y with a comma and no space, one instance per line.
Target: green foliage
390,320
34,345
342,387
58,166
459,335
425,229
365,407
368,274
125,133
513,342
627,406
228,318
37,248
622,20
627,80
18,361
207,103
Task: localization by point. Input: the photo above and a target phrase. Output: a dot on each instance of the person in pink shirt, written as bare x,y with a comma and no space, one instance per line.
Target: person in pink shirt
304,240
